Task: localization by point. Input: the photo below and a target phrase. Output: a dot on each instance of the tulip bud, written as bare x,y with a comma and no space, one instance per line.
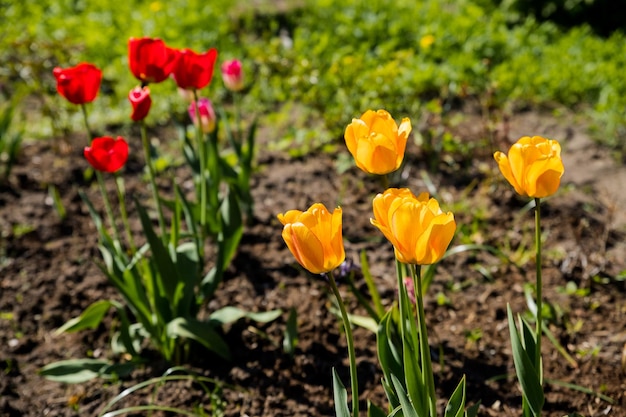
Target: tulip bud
207,114
232,75
79,84
376,142
107,154
533,166
141,101
314,237
418,229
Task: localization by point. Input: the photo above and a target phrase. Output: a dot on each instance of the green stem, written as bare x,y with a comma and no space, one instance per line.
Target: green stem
201,157
237,106
425,359
107,205
151,175
350,342
121,199
539,314
103,190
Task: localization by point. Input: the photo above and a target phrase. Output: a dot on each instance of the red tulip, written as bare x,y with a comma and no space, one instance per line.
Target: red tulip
194,71
79,84
140,99
107,154
150,60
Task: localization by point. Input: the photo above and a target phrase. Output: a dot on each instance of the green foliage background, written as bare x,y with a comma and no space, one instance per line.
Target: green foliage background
329,61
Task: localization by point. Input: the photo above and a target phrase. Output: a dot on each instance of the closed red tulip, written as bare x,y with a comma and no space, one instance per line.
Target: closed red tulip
79,84
193,70
107,154
150,60
139,98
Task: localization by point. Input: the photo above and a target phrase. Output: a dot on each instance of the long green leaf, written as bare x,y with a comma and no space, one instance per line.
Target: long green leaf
73,371
231,314
407,408
389,356
371,286
526,373
290,340
374,411
200,332
167,278
340,396
456,403
90,318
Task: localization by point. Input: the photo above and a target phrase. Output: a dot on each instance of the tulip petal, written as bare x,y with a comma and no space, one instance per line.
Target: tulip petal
305,247
505,168
435,240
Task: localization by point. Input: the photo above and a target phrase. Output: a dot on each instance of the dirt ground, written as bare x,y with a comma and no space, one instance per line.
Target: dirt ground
48,276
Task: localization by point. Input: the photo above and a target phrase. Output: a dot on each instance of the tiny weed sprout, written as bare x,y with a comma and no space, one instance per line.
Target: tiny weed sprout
164,278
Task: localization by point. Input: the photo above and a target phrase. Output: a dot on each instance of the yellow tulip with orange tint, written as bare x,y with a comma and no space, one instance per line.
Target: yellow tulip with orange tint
314,237
416,226
376,142
533,166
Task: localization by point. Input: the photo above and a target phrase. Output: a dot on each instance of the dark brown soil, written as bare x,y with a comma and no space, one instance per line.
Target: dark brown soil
48,276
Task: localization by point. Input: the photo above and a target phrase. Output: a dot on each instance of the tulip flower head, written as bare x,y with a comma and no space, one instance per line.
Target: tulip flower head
150,60
139,98
376,142
533,166
207,114
192,70
79,84
416,226
107,154
232,75
314,237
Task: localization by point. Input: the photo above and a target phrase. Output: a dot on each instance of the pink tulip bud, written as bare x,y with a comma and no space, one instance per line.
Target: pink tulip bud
139,98
232,75
207,114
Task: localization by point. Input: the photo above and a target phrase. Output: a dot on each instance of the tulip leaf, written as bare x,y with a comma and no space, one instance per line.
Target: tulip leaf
74,371
407,408
290,339
371,286
199,331
230,314
389,356
167,276
90,318
374,411
340,396
525,370
456,403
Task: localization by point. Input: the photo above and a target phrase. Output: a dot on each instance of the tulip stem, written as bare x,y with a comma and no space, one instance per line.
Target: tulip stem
120,197
237,106
539,302
350,342
151,175
202,160
103,190
425,359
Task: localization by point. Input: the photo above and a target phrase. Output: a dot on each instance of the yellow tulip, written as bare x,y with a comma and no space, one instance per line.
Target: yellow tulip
416,226
533,166
376,142
314,237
